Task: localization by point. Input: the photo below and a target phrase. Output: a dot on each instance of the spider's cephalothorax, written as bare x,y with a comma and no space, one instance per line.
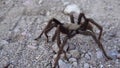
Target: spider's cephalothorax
71,29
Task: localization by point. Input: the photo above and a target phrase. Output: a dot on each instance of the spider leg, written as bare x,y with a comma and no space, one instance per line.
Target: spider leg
59,42
72,18
60,51
88,33
45,29
98,26
49,26
85,25
80,17
58,36
54,36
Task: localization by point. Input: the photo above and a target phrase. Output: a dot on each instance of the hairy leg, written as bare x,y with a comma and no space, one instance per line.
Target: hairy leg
88,33
80,17
54,36
60,51
84,25
98,26
72,18
44,30
58,36
49,26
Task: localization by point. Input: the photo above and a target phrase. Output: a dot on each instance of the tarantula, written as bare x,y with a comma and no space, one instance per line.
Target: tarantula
72,29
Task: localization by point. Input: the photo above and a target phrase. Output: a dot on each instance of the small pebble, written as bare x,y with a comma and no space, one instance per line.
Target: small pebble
113,54
99,54
86,65
4,42
32,47
62,64
73,60
87,56
75,53
75,64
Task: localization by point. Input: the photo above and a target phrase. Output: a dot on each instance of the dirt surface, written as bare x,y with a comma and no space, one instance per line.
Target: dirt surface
21,21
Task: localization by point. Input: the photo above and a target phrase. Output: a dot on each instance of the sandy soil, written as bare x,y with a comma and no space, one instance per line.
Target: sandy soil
22,20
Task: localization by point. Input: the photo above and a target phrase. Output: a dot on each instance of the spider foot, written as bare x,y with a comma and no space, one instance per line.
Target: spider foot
108,58
36,39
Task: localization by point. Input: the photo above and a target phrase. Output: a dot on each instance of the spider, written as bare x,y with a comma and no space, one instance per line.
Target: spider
72,29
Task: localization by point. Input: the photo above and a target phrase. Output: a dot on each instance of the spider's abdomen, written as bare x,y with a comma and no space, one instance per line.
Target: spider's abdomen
71,26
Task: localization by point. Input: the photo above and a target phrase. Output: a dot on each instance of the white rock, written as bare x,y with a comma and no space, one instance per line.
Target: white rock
87,56
4,42
32,47
65,2
101,66
113,54
38,57
33,42
99,54
55,47
40,1
75,53
74,64
72,60
86,65
72,8
62,64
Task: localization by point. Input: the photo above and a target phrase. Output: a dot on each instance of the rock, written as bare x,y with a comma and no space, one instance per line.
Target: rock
87,56
86,65
99,54
32,47
32,44
113,54
75,53
65,2
40,1
4,42
75,64
55,48
101,66
72,8
62,64
72,60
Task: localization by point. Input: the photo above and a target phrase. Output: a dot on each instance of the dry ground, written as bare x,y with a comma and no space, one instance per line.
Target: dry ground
22,20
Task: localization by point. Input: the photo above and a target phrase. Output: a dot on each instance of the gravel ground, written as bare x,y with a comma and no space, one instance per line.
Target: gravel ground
22,20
